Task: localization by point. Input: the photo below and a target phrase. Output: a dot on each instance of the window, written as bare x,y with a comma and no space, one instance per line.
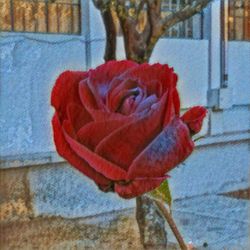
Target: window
239,20
43,16
191,28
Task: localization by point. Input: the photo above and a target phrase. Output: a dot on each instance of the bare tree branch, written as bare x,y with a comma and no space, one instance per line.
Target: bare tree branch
160,25
100,4
135,46
188,11
121,9
106,11
110,49
139,8
154,16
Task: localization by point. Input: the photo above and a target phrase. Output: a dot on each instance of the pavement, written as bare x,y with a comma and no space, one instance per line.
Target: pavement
214,222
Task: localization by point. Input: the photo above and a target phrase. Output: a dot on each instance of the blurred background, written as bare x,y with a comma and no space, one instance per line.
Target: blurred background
45,203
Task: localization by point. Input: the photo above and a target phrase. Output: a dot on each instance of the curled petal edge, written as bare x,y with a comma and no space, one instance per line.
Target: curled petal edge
98,163
65,151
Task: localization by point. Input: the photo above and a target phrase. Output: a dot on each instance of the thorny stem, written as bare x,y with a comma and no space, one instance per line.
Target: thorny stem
171,223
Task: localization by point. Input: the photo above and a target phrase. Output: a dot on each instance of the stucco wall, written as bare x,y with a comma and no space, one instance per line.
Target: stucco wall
239,71
29,67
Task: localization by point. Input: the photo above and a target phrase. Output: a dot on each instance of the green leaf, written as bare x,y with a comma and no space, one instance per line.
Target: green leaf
162,193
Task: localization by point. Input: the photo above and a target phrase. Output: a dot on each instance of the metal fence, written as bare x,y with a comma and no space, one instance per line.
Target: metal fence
191,28
239,19
64,16
41,16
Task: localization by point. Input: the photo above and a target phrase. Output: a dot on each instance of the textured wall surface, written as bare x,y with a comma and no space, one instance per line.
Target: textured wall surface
239,71
29,67
63,191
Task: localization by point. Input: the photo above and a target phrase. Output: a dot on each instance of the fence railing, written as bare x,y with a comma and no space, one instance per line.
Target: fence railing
239,19
64,16
191,28
41,16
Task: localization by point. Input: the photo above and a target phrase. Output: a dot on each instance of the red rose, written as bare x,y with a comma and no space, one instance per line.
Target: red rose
120,125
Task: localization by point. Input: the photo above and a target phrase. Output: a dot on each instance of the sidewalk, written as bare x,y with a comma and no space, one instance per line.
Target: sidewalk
213,222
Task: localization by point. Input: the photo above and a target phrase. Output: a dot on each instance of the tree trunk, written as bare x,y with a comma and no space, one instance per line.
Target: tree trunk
151,224
110,50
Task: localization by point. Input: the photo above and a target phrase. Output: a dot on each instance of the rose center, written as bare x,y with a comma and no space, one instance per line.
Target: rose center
129,101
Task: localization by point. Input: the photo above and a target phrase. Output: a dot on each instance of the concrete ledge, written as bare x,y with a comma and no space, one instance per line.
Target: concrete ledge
24,160
224,138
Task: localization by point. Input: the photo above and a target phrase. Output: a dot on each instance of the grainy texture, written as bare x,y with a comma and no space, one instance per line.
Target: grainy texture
15,199
41,16
99,232
151,224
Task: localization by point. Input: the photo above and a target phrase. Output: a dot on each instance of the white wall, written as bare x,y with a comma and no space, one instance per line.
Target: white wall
239,71
190,61
29,66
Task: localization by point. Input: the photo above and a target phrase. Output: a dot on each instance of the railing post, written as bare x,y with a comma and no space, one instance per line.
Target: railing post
85,24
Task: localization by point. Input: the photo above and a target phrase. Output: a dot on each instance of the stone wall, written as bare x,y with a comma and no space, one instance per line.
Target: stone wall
23,226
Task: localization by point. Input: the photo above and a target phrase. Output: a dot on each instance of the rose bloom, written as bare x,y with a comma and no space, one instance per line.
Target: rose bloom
120,125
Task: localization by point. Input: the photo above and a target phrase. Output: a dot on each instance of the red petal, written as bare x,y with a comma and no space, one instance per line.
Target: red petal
107,71
86,96
173,105
101,165
145,74
172,146
100,115
66,152
78,116
170,112
89,102
101,77
176,100
138,187
194,118
114,96
91,134
154,87
123,145
146,103
65,91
